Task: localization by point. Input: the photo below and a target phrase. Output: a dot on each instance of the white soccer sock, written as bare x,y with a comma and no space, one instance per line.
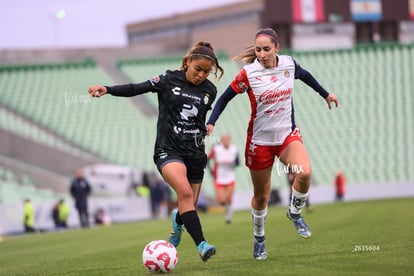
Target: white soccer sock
298,201
259,219
229,212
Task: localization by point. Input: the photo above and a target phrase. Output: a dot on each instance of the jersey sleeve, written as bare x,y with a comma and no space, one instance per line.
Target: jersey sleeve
133,89
306,77
222,102
158,81
240,83
129,90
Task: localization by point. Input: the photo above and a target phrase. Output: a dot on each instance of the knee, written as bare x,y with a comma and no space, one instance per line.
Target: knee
261,200
304,177
185,194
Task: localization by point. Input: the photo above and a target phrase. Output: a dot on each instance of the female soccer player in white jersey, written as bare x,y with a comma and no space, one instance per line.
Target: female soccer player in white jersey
268,79
226,159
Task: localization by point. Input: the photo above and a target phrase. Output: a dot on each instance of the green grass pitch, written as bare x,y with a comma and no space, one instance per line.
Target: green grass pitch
350,238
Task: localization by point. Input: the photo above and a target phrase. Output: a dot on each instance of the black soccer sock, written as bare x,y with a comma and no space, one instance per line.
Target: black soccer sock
193,226
178,219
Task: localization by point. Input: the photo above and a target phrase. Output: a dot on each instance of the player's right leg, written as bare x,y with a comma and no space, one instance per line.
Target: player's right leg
206,251
261,183
176,229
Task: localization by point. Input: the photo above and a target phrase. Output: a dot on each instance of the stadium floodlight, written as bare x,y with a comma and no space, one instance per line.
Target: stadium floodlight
60,14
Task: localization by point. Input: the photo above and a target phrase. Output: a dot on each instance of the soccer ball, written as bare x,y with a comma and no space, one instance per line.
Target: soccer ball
159,256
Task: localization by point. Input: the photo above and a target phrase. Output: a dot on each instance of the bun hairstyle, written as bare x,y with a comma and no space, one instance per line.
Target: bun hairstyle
199,50
249,55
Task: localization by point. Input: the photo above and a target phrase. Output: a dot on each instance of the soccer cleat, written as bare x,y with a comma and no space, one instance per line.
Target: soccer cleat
259,250
300,225
206,251
176,231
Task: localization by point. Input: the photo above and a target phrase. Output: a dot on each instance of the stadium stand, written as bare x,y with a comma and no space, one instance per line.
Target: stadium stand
55,97
351,138
14,188
16,124
369,136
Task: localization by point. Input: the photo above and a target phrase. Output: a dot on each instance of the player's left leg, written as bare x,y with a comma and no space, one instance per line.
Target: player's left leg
297,159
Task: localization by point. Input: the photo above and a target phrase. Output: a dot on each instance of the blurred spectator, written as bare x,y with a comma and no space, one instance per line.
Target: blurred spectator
80,191
226,159
202,204
159,194
55,215
28,216
143,190
133,185
274,198
101,217
63,213
60,214
340,181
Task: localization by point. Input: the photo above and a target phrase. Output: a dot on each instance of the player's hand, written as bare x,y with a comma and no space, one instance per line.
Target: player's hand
97,90
209,128
331,99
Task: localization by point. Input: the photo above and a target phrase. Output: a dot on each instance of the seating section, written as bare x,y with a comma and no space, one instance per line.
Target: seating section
17,125
369,136
14,189
55,96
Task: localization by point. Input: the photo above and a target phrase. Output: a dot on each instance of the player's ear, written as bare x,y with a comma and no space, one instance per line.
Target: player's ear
277,47
187,64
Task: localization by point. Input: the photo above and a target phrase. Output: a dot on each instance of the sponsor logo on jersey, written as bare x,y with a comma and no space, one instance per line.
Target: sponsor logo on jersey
273,79
177,129
206,98
242,86
287,74
275,96
155,79
188,111
163,155
176,90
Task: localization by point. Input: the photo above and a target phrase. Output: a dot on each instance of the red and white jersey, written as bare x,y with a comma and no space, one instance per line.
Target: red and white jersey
270,94
225,161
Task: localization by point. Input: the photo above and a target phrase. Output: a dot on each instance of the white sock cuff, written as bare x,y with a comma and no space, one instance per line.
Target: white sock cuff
298,194
259,213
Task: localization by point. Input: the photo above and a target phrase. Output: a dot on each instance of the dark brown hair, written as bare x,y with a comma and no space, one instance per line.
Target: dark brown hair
203,49
249,54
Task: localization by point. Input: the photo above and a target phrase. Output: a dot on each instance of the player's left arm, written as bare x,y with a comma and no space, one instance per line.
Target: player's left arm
305,76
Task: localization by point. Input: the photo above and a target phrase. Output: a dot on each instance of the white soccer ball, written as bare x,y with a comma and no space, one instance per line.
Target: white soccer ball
159,256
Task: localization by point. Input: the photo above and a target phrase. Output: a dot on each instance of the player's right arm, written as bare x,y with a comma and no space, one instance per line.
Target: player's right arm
129,89
123,90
